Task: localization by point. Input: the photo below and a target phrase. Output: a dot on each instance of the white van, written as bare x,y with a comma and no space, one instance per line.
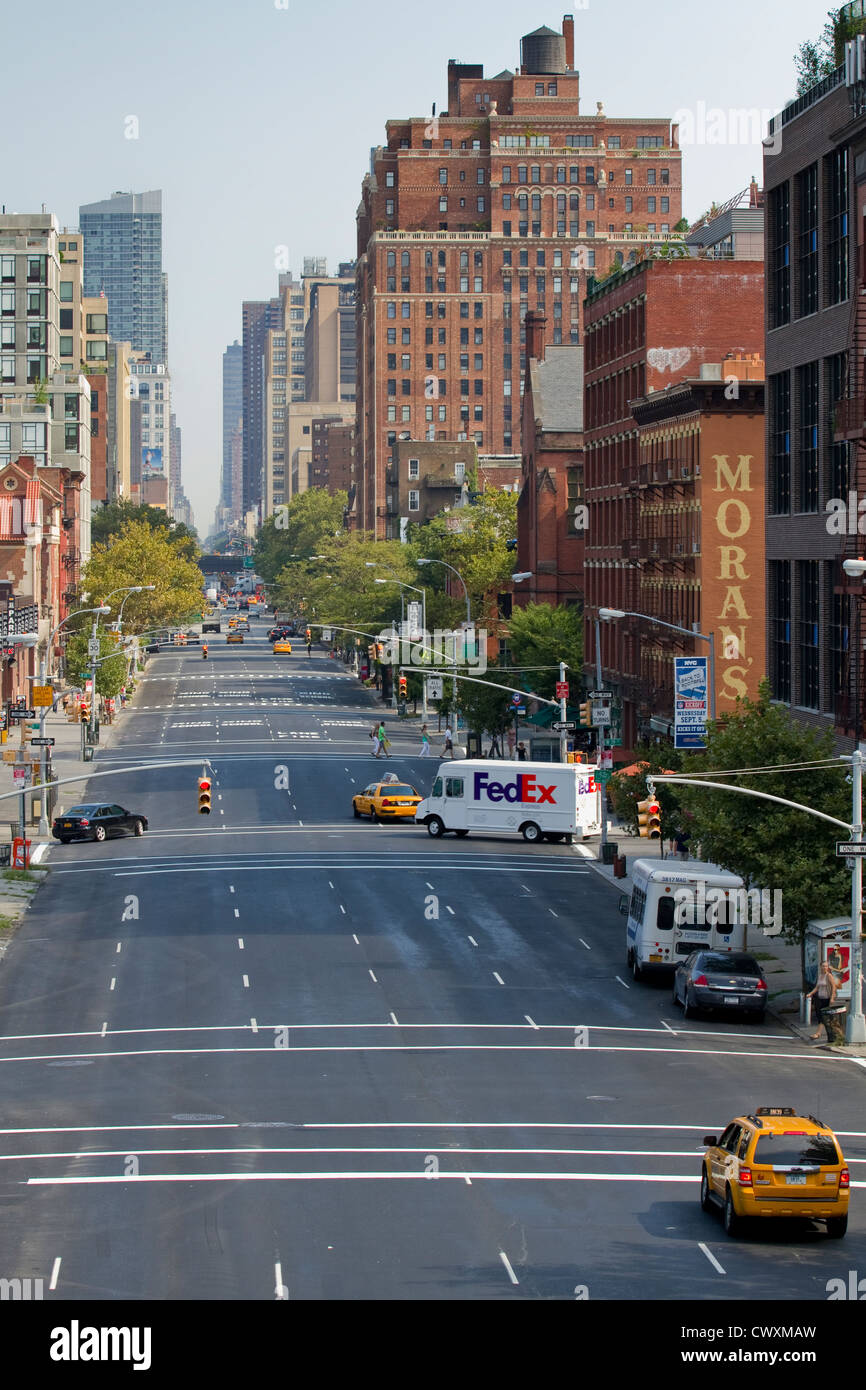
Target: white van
677,908
540,801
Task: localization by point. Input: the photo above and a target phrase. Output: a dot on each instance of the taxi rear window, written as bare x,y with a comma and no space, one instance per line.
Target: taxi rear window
389,789
796,1151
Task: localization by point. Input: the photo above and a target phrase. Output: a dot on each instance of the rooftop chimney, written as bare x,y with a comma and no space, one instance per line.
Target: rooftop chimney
535,326
568,35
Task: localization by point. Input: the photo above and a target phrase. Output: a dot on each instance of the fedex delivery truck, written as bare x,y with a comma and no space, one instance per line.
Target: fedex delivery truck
540,801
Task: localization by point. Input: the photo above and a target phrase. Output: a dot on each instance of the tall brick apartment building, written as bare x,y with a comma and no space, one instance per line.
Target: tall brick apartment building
469,219
647,328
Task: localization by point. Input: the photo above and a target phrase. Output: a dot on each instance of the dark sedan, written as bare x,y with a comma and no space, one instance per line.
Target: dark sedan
97,822
725,980
275,634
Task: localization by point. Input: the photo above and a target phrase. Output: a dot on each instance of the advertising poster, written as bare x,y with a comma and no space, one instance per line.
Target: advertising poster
690,702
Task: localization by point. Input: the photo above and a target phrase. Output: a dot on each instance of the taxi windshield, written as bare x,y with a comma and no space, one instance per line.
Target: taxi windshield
796,1151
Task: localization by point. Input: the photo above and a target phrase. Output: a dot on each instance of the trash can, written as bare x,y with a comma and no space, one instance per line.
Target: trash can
5,856
619,866
87,752
609,853
833,1019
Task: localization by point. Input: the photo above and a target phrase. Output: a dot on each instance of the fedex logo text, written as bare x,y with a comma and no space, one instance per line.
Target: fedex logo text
524,789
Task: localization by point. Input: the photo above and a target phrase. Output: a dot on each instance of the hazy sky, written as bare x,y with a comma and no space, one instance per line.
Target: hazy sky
256,119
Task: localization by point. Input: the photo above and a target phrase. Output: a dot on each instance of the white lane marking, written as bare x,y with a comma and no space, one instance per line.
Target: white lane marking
623,983
246,980
585,851
373,978
395,1124
222,813
342,909
104,1030
525,889
472,939
253,1025
505,1260
449,909
355,939
669,1028
231,888
711,1257
113,982
552,913
117,949
430,886
354,1175
498,977
237,912
468,1182
240,943
300,822
394,1020
584,943
474,1150
330,884
55,1274
37,854
281,1293
530,1022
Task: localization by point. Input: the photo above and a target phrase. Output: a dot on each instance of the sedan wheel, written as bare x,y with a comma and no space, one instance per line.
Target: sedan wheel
99,833
688,1009
138,828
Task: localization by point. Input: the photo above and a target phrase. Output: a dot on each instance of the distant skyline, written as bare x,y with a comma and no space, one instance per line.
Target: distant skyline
257,121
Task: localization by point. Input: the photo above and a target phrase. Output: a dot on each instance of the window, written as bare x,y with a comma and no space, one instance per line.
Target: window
808,453
405,309
535,174
614,142
66,348
589,175
649,142
506,202
66,291
840,456
479,175
414,500
389,207
478,362
807,633
505,176
665,205
651,177
590,202
521,173
590,229
415,464
443,175
405,386
506,229
454,787
628,176
665,175
443,204
406,336
391,309
629,204
836,226
480,204
405,413
539,89
579,142
405,361
560,173
392,336
807,241
389,178
479,309
573,174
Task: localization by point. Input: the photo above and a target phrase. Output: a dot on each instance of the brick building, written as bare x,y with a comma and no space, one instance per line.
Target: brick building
700,535
332,465
647,328
471,218
550,534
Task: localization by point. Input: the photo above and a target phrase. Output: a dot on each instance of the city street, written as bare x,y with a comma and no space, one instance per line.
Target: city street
282,1053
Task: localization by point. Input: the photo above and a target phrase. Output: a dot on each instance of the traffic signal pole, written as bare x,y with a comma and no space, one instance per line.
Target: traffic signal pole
598,677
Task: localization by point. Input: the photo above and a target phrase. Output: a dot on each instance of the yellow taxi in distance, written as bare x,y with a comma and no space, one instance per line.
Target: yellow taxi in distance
234,637
283,647
387,800
776,1163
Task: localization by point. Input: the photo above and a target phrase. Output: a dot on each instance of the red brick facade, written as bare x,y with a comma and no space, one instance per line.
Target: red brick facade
501,204
650,327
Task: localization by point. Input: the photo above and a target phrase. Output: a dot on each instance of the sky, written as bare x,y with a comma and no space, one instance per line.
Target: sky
256,119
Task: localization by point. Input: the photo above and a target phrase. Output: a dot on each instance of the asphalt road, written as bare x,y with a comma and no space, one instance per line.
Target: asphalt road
282,1053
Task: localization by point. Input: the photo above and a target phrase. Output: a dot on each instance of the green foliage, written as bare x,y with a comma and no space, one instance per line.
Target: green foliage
340,589
483,706
815,60
772,846
110,521
141,554
301,528
474,540
111,667
544,635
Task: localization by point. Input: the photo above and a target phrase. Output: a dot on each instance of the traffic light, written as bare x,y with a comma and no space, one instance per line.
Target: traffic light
84,714
204,796
404,687
308,634
586,714
649,820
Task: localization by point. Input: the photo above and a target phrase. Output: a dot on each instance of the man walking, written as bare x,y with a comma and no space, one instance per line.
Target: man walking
495,751
449,744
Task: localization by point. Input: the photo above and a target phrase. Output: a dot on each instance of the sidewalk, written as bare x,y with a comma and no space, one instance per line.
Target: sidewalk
780,959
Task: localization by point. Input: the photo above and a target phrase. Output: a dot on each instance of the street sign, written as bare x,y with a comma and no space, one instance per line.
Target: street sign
518,709
249,562
15,713
844,848
606,695
517,699
559,727
600,715
94,646
43,696
42,742
605,758
326,634
603,775
562,690
434,687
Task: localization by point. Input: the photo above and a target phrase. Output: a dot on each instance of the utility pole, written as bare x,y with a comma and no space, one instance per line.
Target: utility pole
93,664
856,1029
563,716
600,686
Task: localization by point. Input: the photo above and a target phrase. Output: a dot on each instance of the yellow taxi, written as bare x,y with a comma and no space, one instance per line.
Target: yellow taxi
283,646
776,1163
234,636
389,799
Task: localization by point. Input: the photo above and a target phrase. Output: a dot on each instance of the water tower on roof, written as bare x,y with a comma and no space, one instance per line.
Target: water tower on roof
542,52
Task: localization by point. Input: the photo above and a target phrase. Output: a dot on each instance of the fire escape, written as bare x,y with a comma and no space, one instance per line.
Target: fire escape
850,427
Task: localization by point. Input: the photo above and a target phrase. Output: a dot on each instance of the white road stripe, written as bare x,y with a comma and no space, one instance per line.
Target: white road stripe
55,1274
373,978
342,909
280,1291
240,943
113,982
354,1176
253,1025
505,1260
498,977
355,939
394,1020
530,1022
472,939
583,943
104,1030
711,1257
246,980
237,912
449,909
623,983
669,1028
552,913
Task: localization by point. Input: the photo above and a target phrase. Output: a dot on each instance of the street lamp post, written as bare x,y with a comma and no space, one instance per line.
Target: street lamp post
124,589
372,564
43,676
518,578
469,628
608,615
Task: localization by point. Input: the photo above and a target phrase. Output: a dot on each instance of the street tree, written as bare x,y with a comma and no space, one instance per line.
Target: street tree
474,539
111,663
542,635
772,846
109,522
628,787
300,528
141,555
485,708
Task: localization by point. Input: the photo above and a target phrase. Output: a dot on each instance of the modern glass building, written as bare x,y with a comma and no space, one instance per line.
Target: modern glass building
123,258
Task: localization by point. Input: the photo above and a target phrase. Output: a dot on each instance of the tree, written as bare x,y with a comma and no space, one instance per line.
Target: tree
341,589
542,635
474,540
302,527
485,707
111,666
772,846
819,59
141,555
626,789
110,521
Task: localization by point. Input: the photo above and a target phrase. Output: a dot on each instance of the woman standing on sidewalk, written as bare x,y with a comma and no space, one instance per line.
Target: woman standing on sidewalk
823,993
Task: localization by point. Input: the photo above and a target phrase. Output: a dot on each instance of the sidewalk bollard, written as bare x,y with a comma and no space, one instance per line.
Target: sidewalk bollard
805,1010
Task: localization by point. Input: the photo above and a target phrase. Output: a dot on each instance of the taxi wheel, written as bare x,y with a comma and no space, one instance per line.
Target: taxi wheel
732,1221
837,1226
355,812
706,1200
